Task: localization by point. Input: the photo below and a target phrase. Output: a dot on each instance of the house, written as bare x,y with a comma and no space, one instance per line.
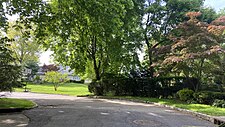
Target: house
69,72
64,70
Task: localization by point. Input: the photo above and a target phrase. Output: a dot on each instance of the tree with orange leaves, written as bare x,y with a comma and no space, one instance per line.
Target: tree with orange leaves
195,45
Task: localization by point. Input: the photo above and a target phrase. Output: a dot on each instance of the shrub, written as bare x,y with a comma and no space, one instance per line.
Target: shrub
185,94
80,81
96,88
37,79
219,103
203,97
138,85
142,86
218,95
207,97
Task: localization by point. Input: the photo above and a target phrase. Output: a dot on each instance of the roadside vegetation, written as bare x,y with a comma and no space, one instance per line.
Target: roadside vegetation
201,108
73,89
9,103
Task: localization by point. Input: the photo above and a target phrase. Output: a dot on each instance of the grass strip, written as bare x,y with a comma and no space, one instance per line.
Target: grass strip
201,108
73,89
10,103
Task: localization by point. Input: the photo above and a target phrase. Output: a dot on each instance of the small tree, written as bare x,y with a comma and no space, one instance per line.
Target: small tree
56,78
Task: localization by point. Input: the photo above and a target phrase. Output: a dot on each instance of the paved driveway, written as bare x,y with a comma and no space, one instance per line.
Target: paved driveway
67,111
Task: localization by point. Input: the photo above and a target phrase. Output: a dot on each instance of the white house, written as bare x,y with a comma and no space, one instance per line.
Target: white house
63,70
69,72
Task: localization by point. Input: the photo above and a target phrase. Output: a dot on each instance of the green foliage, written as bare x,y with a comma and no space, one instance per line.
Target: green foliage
33,65
161,17
219,103
185,94
23,43
138,86
207,97
96,33
3,19
9,72
56,78
192,52
203,97
208,14
96,88
221,12
103,36
37,79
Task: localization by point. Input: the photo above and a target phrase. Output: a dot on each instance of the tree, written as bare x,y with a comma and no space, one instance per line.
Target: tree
51,67
56,78
23,43
3,19
221,12
9,73
217,27
208,14
33,65
160,17
191,52
98,32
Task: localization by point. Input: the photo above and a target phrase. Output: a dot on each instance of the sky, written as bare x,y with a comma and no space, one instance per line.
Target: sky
216,4
45,58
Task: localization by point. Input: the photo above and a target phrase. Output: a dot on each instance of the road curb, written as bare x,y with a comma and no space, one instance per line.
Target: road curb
215,120
11,110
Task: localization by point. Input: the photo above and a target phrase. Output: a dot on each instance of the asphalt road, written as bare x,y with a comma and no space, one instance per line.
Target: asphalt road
67,111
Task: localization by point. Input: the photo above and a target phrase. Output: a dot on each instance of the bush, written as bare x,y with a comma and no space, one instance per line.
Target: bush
80,81
142,86
185,94
218,95
219,103
212,88
96,88
138,85
203,97
37,79
207,97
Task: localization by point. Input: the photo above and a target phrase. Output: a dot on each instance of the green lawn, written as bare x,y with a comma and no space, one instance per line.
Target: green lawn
7,103
206,109
66,89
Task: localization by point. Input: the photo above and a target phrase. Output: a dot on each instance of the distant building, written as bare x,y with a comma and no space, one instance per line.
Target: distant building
69,72
64,70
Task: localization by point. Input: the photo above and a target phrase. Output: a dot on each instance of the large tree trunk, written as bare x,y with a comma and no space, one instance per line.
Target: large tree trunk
96,69
149,48
96,64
